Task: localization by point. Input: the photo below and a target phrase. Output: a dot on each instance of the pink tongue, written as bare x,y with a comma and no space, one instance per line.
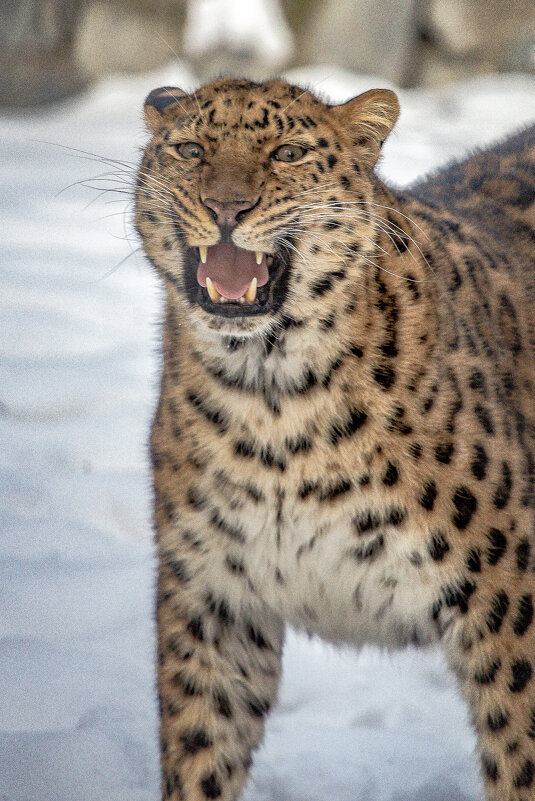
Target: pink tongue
232,269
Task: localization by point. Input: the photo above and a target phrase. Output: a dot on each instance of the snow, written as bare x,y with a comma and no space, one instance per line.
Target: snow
78,376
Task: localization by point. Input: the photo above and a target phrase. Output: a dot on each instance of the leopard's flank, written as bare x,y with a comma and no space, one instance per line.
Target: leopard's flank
345,433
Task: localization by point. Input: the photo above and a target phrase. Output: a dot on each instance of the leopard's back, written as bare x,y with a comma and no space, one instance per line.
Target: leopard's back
481,215
494,186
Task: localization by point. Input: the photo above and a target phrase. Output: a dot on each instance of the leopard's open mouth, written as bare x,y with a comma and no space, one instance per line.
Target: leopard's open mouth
233,282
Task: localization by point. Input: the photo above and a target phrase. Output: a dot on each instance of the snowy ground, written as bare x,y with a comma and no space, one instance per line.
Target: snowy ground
78,374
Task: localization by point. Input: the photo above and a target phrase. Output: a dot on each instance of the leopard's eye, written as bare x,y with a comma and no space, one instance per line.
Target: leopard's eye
289,153
190,150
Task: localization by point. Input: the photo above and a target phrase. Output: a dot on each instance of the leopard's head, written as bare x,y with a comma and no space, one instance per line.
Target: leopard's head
251,197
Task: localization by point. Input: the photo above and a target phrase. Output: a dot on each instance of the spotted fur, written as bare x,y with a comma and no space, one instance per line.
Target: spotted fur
358,460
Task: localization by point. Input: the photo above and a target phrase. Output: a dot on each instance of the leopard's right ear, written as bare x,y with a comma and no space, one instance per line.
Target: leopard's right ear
164,105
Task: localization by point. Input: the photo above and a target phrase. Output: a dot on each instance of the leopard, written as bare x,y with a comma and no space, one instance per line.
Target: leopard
344,436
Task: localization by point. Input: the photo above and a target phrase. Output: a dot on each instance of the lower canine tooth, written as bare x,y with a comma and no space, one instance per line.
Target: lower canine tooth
212,291
259,257
250,295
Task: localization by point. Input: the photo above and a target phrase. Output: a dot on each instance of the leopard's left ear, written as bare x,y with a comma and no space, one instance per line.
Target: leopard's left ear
164,105
370,117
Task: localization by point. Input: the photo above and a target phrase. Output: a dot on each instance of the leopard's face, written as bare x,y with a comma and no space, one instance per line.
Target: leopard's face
249,196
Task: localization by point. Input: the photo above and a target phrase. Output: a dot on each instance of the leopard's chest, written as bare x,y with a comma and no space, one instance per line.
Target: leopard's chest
302,553
319,572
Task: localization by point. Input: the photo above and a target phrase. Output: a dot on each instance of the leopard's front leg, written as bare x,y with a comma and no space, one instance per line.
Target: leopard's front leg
219,668
492,646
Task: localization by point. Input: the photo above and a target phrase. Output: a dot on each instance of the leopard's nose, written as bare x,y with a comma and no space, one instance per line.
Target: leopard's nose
228,213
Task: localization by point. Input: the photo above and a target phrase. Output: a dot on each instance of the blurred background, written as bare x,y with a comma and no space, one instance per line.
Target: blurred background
50,49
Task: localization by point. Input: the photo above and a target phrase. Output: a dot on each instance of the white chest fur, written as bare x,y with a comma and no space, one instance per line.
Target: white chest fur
313,569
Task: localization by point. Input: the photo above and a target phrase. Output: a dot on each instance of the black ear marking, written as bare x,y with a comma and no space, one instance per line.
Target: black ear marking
160,106
165,96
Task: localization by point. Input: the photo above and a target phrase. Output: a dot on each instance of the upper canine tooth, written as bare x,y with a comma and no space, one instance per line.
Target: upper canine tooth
203,252
250,295
259,256
212,291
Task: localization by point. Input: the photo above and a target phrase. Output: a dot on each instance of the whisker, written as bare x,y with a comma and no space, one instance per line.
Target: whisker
388,227
75,151
116,267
